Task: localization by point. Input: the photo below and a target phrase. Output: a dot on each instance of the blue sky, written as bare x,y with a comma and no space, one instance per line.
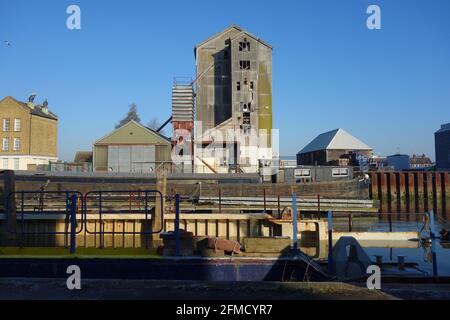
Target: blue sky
388,87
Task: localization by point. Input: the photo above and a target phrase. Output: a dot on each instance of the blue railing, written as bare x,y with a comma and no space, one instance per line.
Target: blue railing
75,203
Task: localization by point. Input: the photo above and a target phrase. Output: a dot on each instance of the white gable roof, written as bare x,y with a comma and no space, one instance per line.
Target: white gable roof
337,139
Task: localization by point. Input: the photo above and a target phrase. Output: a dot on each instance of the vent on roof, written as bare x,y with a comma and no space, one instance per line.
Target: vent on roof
44,108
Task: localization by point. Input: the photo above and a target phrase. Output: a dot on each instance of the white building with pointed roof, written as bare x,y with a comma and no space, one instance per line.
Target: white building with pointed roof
332,148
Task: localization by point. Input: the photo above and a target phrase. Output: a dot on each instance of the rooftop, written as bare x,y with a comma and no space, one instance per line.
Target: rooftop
337,139
36,110
444,127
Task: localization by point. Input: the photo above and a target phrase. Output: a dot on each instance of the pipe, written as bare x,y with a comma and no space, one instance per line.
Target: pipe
294,223
73,224
330,242
177,225
433,244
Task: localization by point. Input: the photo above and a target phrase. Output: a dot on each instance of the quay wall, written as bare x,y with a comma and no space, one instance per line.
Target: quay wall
411,192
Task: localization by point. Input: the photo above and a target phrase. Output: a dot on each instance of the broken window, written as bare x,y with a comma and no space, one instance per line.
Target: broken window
244,45
245,127
238,86
244,64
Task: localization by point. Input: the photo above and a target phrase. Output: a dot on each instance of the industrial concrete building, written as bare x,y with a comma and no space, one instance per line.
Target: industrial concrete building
233,102
442,147
336,147
29,134
131,148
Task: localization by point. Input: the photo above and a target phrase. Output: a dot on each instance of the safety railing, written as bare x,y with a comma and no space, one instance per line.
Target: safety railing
76,207
107,202
32,203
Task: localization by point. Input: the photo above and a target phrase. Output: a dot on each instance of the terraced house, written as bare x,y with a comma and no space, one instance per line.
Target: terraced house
28,134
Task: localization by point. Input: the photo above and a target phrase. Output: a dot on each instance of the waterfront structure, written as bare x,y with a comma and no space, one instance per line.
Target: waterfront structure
233,130
398,162
442,147
336,147
304,174
29,134
131,148
420,162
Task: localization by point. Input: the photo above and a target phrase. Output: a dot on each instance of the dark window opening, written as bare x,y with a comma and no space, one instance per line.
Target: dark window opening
238,86
244,64
245,81
244,45
251,85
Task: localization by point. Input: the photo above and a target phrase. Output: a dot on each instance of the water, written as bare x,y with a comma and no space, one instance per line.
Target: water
422,254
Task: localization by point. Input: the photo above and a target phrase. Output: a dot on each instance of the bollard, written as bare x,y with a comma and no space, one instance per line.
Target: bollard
330,242
177,225
379,260
73,224
401,262
294,223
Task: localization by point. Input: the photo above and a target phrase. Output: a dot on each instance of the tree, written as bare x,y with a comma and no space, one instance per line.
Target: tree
131,115
154,124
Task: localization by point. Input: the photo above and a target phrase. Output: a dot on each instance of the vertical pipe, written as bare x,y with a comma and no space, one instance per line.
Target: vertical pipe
390,222
350,223
177,225
279,207
220,200
433,244
330,242
294,223
100,220
264,190
22,219
318,206
73,224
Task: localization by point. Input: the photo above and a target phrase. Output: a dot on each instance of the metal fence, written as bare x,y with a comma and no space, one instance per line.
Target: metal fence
23,205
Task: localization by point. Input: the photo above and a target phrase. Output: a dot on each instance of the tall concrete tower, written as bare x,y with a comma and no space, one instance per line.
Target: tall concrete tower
233,102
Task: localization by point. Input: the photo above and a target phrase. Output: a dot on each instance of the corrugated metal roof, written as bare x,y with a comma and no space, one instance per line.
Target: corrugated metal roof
337,139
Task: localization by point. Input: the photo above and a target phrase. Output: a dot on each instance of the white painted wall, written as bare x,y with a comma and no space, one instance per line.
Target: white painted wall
12,162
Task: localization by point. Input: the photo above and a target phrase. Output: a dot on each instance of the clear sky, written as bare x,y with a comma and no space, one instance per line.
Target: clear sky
389,87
